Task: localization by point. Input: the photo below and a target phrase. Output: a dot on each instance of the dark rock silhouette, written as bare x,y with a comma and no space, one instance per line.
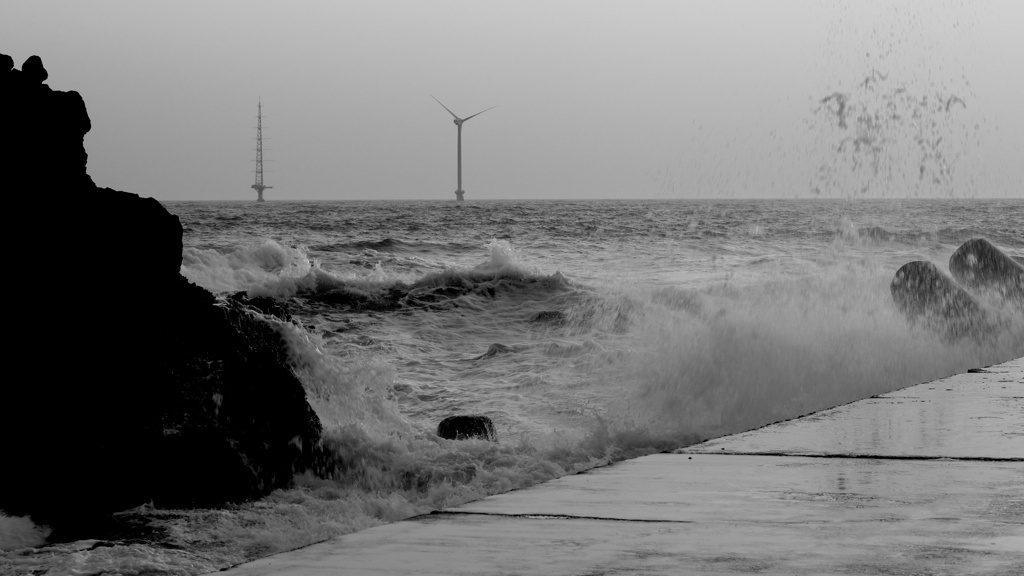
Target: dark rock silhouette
927,296
553,317
980,266
33,70
136,386
233,404
466,427
263,305
42,139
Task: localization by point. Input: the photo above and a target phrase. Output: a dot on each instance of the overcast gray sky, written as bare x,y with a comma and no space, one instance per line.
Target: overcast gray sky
596,99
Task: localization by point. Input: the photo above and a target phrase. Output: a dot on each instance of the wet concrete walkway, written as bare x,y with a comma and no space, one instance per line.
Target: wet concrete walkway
925,480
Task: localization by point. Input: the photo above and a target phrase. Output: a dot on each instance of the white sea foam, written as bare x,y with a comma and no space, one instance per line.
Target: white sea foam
265,265
636,369
20,532
729,359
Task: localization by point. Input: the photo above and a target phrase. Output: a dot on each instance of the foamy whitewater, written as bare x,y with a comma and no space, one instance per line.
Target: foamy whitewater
627,327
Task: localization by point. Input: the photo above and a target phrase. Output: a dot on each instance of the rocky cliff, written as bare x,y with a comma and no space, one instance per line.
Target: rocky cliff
135,385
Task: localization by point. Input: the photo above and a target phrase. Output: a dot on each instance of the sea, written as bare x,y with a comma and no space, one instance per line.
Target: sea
588,331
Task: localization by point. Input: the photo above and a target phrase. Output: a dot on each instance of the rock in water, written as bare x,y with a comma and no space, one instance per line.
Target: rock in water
467,426
927,296
236,423
980,266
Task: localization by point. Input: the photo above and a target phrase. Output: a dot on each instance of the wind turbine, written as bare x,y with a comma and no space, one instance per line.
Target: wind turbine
458,122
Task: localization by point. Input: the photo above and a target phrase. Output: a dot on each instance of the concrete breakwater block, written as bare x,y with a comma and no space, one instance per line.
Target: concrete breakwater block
927,296
979,266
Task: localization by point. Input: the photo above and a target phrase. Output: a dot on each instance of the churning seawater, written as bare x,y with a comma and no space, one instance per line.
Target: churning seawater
588,331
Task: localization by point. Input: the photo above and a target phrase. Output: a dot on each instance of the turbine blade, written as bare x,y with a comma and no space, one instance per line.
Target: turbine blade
446,108
479,113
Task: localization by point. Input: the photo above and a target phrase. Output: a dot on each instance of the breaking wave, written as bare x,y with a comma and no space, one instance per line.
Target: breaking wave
574,372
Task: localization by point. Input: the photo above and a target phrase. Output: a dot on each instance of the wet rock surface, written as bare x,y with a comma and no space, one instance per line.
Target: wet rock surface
465,427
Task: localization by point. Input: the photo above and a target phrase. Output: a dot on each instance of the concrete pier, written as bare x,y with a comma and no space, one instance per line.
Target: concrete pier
925,480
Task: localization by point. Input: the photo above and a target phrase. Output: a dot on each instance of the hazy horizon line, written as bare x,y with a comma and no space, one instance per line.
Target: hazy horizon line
484,200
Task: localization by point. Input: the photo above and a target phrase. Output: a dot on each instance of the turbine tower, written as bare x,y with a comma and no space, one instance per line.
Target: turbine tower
458,122
258,186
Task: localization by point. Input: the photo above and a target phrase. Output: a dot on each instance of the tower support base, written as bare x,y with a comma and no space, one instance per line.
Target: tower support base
459,195
259,188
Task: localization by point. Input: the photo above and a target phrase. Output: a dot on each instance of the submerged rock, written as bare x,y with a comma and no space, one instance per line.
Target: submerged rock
554,317
978,265
466,427
165,393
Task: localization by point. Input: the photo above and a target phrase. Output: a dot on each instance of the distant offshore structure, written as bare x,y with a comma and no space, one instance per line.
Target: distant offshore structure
460,193
259,187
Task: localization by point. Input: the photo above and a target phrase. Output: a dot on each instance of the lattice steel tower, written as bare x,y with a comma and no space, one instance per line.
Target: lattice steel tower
259,187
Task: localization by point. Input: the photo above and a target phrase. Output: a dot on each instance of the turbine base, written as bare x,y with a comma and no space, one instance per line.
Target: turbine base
459,195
